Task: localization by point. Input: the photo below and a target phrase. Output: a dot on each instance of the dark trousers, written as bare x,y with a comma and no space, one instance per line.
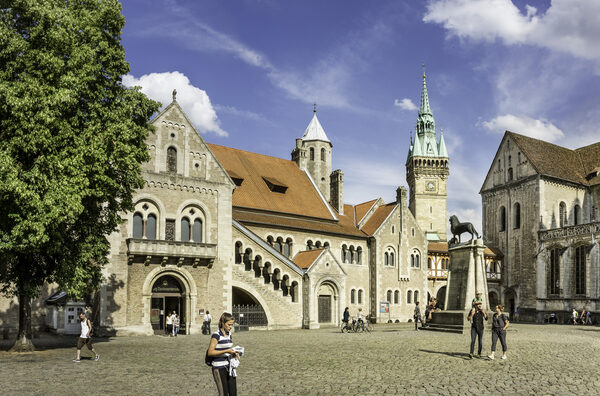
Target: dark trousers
417,320
498,333
476,333
226,384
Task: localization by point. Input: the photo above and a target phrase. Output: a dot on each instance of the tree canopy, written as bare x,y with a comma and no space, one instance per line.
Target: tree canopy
72,138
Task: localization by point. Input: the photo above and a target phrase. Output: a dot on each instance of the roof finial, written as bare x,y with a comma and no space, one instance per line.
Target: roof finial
423,65
174,95
411,142
314,108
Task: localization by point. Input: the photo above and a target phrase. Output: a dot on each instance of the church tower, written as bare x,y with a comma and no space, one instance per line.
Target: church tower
427,171
313,154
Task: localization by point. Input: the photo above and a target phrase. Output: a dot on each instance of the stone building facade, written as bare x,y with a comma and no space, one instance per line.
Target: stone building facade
220,229
539,205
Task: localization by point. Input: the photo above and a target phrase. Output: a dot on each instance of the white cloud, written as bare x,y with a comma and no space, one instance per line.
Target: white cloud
405,104
539,129
569,26
194,101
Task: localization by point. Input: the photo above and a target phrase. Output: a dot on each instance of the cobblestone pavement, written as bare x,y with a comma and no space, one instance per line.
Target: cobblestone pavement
394,359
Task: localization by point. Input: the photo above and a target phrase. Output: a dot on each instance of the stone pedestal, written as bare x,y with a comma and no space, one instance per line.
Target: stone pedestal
466,277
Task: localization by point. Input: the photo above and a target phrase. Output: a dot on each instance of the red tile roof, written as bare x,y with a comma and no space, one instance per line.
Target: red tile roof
306,258
300,197
377,218
363,208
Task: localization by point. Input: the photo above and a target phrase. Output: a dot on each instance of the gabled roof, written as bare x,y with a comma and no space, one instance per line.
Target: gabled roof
260,173
377,218
590,158
314,130
306,258
363,208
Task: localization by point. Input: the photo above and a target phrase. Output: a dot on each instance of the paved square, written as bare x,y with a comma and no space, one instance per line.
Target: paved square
394,359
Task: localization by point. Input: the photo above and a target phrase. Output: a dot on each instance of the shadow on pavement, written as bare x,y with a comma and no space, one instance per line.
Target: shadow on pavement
460,355
47,341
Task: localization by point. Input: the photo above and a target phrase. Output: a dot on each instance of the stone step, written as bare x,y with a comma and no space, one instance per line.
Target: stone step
447,328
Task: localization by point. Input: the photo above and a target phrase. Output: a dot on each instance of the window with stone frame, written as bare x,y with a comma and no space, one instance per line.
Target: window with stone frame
576,215
323,155
517,215
502,219
409,297
172,160
397,297
352,296
389,296
360,296
416,296
554,272
312,154
580,279
562,214
138,225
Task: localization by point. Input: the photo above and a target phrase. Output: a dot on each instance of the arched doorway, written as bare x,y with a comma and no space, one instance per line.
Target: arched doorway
510,300
168,295
441,296
327,310
246,310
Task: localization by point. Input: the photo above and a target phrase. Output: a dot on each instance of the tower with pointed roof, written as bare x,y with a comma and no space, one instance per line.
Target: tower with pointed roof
427,170
313,154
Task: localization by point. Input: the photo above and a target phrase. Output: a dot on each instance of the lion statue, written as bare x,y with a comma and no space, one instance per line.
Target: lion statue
458,228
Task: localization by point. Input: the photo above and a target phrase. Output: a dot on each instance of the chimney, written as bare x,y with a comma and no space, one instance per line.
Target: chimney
299,154
401,195
337,190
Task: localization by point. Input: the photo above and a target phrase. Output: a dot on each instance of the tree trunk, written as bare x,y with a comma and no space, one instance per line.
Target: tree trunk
24,343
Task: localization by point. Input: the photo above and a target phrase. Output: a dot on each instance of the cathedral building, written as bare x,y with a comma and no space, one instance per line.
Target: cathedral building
269,239
540,210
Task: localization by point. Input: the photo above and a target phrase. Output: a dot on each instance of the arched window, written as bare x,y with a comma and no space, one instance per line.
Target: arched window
277,245
238,252
412,260
415,259
576,215
360,296
517,215
344,253
554,272
172,159
428,262
396,297
389,296
352,255
510,174
309,245
416,296
312,154
323,154
352,296
185,229
386,259
392,263
138,226
562,214
287,247
151,227
502,219
358,255
197,231
409,297
580,270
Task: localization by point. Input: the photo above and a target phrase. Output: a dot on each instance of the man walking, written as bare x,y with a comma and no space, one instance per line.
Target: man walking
85,338
207,319
477,315
417,316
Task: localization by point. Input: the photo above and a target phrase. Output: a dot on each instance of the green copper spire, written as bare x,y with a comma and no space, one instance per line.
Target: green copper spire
442,152
425,121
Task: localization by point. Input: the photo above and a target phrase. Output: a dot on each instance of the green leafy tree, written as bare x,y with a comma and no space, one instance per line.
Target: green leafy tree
72,138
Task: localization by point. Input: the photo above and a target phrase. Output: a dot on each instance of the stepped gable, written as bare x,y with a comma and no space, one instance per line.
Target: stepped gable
271,184
377,218
363,208
556,161
306,258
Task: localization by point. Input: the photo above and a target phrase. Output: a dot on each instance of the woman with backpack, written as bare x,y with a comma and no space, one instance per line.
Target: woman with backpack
220,354
499,325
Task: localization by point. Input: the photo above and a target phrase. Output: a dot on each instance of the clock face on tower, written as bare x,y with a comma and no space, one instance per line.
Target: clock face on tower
430,186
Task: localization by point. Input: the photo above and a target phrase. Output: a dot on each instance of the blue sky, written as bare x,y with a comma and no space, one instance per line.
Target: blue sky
247,73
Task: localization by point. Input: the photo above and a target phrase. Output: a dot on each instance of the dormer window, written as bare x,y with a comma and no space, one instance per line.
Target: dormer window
275,185
237,179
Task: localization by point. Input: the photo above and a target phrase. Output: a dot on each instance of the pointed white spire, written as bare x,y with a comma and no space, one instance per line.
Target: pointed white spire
314,130
442,152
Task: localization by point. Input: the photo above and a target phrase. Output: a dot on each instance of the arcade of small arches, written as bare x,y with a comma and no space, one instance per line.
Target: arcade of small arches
310,245
282,246
557,267
351,254
270,274
430,162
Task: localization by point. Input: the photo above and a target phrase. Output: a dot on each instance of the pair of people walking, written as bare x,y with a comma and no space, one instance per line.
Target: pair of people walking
499,324
172,324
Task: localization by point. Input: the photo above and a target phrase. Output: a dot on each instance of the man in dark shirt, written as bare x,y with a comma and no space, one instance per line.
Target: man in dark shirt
477,315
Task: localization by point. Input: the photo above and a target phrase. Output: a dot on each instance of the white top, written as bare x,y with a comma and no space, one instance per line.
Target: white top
176,321
360,315
207,318
169,319
85,329
314,131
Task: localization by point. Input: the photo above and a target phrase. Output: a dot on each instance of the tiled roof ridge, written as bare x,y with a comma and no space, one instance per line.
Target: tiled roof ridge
251,152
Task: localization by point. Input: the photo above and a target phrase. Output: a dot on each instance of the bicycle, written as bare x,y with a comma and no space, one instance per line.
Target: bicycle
358,325
346,327
368,326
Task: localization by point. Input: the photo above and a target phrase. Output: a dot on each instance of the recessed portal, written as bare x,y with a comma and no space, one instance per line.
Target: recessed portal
168,295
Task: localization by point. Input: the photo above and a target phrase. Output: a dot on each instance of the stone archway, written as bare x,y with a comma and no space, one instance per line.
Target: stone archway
493,299
510,303
188,296
441,296
247,310
327,303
